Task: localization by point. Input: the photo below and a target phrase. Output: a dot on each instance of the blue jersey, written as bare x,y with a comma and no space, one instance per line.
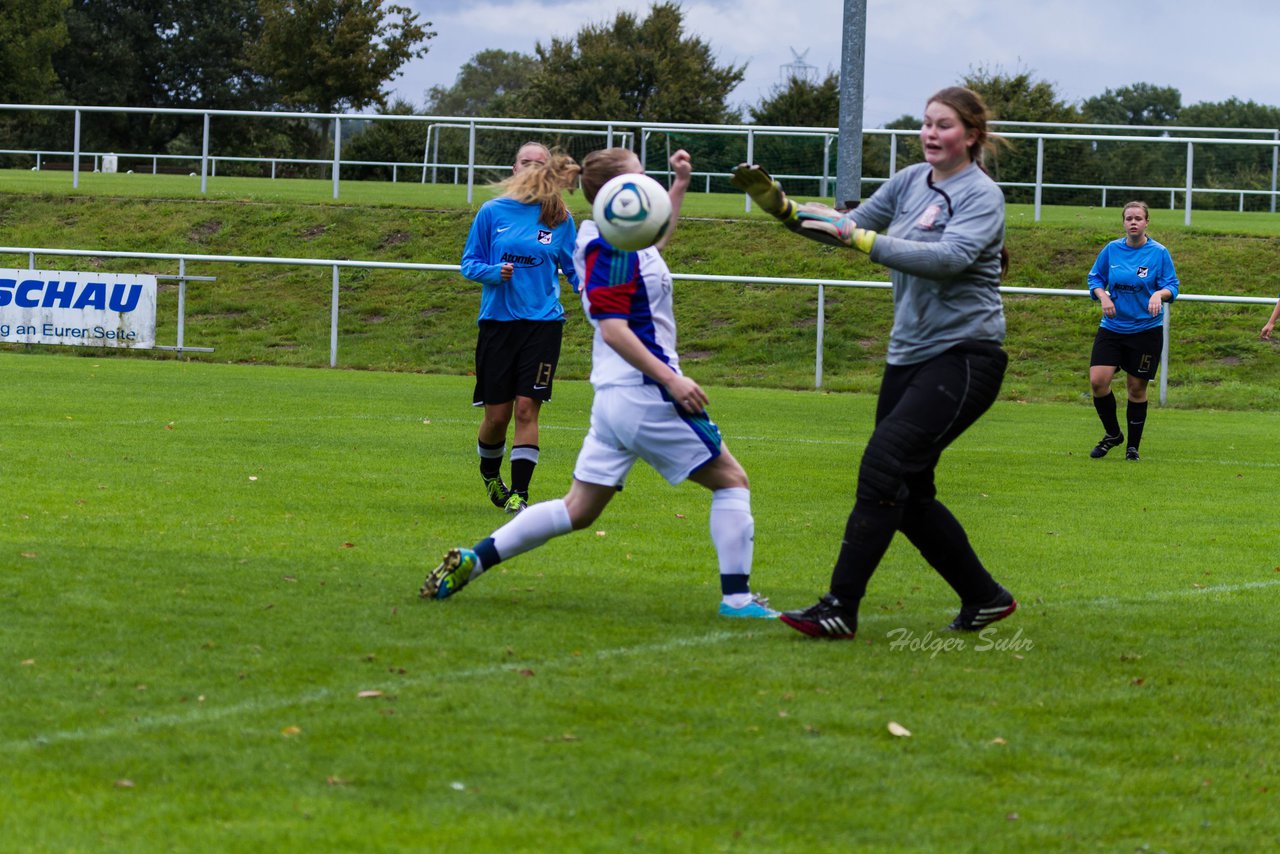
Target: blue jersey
1130,276
506,231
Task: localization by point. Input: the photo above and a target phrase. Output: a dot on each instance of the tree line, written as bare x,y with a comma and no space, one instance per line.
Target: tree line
335,55
295,55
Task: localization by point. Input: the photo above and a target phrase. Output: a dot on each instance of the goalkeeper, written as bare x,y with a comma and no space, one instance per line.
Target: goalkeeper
939,227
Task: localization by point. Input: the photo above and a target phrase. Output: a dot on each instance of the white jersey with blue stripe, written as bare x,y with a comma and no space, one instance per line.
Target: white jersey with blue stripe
634,286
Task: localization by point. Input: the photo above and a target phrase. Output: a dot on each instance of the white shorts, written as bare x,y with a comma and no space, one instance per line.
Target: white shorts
633,422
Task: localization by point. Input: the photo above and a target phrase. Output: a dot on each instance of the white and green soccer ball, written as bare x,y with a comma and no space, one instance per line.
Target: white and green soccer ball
632,211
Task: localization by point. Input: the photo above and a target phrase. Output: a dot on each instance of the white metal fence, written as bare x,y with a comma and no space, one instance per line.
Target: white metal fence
739,140
183,259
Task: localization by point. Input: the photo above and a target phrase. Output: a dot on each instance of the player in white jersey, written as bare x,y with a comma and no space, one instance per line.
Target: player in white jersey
644,408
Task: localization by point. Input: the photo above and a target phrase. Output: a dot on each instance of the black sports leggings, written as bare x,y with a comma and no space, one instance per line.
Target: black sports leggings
922,409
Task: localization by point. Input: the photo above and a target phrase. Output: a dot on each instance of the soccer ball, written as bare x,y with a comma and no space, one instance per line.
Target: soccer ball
632,211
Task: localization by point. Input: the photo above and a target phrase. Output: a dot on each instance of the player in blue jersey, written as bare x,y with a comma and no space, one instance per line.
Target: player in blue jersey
518,244
644,408
1133,278
939,228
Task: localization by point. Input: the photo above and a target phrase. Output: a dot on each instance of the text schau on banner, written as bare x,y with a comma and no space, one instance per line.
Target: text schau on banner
87,309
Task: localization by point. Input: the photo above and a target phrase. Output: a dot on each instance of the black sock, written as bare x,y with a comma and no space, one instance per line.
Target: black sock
1106,407
867,536
524,458
490,459
1136,415
943,543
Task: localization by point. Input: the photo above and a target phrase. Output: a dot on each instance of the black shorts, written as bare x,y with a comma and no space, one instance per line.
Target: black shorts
1137,353
516,357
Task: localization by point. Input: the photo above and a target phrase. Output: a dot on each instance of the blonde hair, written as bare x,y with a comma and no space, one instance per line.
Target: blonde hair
542,184
599,166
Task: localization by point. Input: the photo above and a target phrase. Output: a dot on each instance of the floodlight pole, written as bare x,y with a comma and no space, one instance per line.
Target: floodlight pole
852,71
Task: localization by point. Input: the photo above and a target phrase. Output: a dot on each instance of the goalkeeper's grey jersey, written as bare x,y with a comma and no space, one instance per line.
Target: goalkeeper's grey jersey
942,244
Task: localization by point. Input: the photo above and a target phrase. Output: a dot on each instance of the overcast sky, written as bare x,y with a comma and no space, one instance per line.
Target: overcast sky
1209,51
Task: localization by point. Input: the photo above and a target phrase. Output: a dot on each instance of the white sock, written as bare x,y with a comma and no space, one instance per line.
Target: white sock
536,524
733,531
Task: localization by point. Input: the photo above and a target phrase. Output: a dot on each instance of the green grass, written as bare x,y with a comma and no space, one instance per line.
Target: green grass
731,334
204,565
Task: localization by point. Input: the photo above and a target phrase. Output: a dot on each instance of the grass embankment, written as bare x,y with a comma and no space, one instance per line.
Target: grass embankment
731,334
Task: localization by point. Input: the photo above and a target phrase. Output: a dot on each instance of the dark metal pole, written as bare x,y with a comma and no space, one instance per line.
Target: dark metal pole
852,68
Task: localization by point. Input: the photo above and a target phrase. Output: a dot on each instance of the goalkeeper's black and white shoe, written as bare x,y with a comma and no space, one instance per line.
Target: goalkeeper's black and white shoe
972,618
827,619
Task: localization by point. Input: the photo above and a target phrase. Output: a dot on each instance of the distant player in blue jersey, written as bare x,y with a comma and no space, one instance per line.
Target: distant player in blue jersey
644,408
1133,278
518,244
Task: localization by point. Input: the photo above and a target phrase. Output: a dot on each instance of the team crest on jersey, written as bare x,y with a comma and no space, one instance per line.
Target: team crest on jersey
929,217
544,237
1142,272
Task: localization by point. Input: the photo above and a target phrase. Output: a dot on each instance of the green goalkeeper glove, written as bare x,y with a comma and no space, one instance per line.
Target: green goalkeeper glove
813,220
764,191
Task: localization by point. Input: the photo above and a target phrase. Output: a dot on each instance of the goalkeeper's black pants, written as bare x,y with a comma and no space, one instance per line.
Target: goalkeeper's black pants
921,410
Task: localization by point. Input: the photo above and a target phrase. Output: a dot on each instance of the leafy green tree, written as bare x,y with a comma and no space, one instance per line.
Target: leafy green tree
488,84
1139,104
31,31
631,70
328,55
386,142
1019,97
801,103
1243,167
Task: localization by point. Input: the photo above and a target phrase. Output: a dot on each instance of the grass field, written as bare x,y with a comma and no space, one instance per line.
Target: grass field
203,568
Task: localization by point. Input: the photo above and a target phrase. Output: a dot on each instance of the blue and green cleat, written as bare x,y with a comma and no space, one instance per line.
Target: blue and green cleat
453,573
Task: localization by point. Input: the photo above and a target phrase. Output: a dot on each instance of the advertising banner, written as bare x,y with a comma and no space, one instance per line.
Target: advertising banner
86,309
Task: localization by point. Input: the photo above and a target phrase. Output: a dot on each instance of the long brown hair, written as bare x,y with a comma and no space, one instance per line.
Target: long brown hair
974,115
543,184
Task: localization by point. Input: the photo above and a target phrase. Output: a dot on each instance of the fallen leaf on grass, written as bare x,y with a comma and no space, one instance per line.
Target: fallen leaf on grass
348,545
1013,816
899,730
335,781
253,477
600,533
31,554
998,740
366,695
290,731
525,672
123,784
28,662
1138,681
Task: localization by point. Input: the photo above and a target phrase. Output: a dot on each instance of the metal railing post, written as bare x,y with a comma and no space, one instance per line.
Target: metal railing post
1164,353
1275,167
1039,174
893,154
333,322
471,162
817,361
204,157
182,304
337,152
751,158
1191,159
75,154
